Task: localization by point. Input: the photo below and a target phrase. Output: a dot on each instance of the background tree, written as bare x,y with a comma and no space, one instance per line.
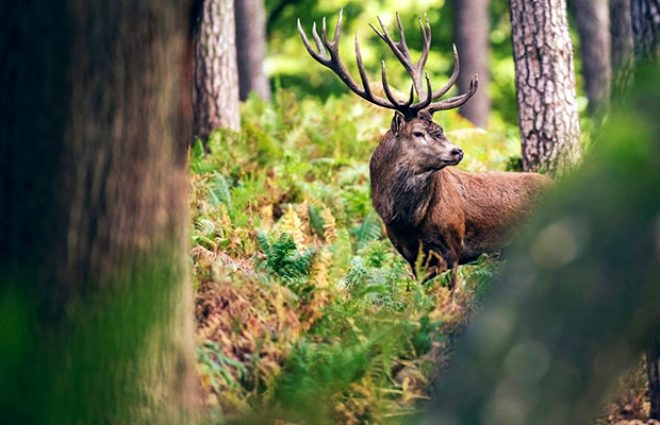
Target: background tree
215,76
593,25
471,31
646,28
622,44
95,309
251,48
545,85
557,328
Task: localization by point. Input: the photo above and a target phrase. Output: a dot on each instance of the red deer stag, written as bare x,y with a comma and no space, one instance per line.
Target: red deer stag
449,216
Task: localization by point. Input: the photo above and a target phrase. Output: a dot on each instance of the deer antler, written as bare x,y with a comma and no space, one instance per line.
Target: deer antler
328,56
402,53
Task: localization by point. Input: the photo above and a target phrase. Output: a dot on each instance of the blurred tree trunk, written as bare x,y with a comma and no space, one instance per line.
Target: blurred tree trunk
471,32
575,304
623,46
646,28
95,307
645,16
545,86
216,76
251,48
653,373
593,24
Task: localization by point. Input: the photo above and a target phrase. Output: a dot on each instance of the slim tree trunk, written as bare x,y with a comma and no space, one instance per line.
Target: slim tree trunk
593,24
545,85
93,216
653,373
216,75
646,28
623,46
471,31
251,48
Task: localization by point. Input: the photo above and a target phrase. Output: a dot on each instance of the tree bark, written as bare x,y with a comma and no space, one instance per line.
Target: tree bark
646,28
623,46
93,217
251,48
545,86
593,24
471,32
216,77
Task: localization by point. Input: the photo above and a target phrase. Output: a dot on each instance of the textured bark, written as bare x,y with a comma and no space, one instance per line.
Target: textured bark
593,24
471,32
216,76
623,46
93,214
545,86
251,48
646,28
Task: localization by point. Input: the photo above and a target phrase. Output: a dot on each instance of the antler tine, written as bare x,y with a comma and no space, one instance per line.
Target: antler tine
320,57
429,96
455,101
330,58
360,65
453,78
426,39
402,53
402,107
317,40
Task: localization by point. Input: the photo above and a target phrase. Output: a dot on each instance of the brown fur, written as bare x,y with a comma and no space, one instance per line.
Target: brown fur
451,216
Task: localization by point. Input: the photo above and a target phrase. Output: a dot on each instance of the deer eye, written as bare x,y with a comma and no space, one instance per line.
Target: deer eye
418,134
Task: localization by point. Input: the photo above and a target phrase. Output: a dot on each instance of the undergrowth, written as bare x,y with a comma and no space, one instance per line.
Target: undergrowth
305,312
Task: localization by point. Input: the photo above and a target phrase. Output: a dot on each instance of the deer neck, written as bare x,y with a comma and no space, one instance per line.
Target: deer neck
401,191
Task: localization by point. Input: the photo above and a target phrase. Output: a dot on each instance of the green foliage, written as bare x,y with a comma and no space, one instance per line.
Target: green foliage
306,312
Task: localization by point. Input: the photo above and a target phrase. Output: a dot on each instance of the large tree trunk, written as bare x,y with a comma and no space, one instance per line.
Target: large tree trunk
251,48
216,76
593,24
95,303
623,46
577,301
471,32
545,86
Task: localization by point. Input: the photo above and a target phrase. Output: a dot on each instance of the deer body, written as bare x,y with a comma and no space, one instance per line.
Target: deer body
449,216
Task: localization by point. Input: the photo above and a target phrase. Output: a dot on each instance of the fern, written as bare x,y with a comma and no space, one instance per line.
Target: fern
284,260
367,231
219,192
316,221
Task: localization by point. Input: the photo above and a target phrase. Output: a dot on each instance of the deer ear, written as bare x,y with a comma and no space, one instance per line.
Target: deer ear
397,123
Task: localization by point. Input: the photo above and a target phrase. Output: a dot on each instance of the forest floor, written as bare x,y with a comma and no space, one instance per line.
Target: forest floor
305,313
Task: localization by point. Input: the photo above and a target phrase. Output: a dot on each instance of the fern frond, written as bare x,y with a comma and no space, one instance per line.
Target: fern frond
329,225
316,221
367,231
291,224
219,191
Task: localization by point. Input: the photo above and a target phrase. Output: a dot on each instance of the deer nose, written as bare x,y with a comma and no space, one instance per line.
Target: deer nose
457,152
